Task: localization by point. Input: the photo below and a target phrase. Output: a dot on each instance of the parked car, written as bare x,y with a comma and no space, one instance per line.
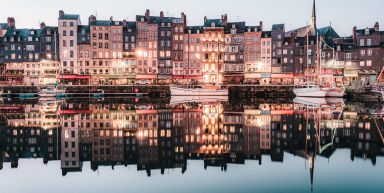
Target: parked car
143,82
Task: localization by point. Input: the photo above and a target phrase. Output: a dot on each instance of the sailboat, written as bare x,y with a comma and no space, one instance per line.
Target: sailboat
310,90
317,90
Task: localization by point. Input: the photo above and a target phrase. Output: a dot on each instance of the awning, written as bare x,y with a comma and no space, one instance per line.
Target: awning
368,72
282,76
73,112
73,77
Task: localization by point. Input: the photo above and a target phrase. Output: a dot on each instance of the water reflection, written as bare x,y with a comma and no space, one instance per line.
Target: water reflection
157,135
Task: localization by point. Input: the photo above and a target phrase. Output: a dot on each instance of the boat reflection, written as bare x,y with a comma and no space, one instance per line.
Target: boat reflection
159,135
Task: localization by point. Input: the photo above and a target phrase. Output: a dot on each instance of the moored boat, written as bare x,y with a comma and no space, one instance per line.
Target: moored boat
197,91
310,91
197,99
51,92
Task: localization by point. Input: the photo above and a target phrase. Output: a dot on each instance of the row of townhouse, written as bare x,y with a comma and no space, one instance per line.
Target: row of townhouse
165,49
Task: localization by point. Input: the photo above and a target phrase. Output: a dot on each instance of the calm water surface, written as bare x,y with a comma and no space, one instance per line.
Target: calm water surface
163,145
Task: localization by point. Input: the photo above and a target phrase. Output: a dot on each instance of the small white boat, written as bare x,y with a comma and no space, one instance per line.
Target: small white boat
190,91
337,92
311,101
197,99
310,91
51,92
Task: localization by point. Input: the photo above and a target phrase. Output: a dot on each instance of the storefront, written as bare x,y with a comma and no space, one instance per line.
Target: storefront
74,79
282,79
234,78
257,78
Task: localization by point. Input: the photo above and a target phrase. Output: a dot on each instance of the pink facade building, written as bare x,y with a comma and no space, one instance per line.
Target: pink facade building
146,49
252,53
193,55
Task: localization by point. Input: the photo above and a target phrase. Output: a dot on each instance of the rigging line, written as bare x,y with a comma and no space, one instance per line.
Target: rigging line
378,129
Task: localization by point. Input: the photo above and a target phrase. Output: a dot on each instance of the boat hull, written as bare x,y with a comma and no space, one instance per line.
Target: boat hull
197,99
310,92
176,91
310,101
336,92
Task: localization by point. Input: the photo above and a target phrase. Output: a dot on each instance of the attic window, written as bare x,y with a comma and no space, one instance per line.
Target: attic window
233,26
367,31
198,31
213,24
189,31
249,29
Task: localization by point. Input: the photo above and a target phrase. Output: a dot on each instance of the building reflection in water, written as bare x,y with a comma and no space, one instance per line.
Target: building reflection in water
160,136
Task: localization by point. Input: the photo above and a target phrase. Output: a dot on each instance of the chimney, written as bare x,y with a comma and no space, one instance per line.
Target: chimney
205,19
354,33
225,19
11,22
161,14
91,19
111,19
261,25
184,18
124,23
147,14
377,27
42,25
61,13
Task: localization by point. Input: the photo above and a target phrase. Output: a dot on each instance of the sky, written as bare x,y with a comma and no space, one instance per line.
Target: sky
341,14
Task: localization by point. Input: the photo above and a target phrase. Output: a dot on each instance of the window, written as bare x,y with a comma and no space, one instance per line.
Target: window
361,42
30,47
348,55
369,42
369,52
369,62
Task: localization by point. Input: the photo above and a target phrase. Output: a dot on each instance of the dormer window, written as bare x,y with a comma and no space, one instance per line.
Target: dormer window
213,24
142,19
367,31
233,31
169,24
162,24
189,31
198,31
249,29
233,26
